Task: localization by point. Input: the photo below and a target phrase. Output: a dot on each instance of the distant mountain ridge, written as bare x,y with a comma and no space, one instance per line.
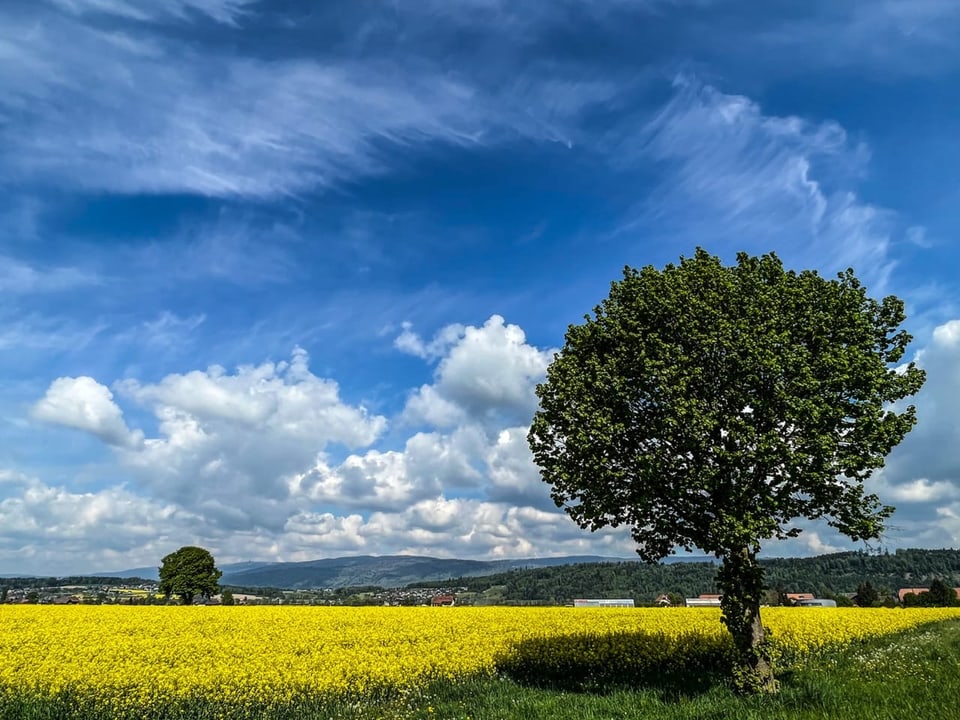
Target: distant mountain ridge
383,571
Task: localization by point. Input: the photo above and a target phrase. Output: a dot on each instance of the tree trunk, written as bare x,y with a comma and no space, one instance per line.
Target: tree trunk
741,582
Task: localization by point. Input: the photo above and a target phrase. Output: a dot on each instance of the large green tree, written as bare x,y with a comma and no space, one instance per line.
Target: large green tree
189,572
710,406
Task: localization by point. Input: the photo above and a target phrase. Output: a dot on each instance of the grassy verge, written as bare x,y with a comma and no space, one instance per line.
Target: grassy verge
916,674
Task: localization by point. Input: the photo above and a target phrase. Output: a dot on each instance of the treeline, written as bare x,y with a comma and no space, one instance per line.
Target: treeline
824,575
84,580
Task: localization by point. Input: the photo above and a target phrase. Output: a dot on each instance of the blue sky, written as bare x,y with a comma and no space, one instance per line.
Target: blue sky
279,278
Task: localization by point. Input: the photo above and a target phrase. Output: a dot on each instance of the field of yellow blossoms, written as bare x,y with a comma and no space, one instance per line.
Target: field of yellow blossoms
124,658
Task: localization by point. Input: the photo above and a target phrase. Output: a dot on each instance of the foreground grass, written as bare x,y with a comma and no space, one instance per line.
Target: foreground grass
915,674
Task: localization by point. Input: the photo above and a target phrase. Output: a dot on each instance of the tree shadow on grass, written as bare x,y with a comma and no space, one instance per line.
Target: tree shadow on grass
674,667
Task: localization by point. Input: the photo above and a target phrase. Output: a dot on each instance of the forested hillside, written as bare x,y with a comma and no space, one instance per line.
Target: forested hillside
824,575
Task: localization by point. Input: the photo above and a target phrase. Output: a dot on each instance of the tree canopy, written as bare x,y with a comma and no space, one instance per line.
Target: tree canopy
709,406
189,572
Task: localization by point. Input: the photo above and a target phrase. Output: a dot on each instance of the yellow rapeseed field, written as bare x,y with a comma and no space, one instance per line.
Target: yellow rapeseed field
121,658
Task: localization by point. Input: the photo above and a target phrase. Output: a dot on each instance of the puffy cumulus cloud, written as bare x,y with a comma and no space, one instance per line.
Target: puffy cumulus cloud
922,490
309,534
428,464
63,531
919,469
513,476
276,398
816,545
409,342
465,527
947,532
487,375
922,477
84,404
229,442
438,527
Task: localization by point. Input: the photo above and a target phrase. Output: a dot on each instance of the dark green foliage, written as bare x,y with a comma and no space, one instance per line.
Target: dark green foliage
710,407
911,600
827,576
189,572
939,595
51,582
867,595
592,662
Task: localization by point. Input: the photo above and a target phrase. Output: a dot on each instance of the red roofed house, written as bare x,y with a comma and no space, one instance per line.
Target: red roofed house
902,592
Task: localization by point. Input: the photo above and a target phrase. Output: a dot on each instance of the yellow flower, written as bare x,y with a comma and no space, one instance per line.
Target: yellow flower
121,658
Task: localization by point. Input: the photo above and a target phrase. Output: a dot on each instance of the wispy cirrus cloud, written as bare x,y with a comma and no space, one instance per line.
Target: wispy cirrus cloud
21,278
224,11
912,37
752,181
104,110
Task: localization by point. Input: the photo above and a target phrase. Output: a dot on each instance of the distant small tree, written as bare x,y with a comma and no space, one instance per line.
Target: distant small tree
867,595
189,572
843,601
226,598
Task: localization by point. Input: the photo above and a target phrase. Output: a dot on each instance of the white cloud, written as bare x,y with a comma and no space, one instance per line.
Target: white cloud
922,476
411,343
170,329
937,416
904,37
225,126
461,527
514,477
245,454
84,404
227,443
57,530
224,11
947,336
816,545
284,398
741,177
17,277
488,375
922,490
25,332
429,464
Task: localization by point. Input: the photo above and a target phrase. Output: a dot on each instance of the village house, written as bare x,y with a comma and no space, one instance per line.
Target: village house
903,592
